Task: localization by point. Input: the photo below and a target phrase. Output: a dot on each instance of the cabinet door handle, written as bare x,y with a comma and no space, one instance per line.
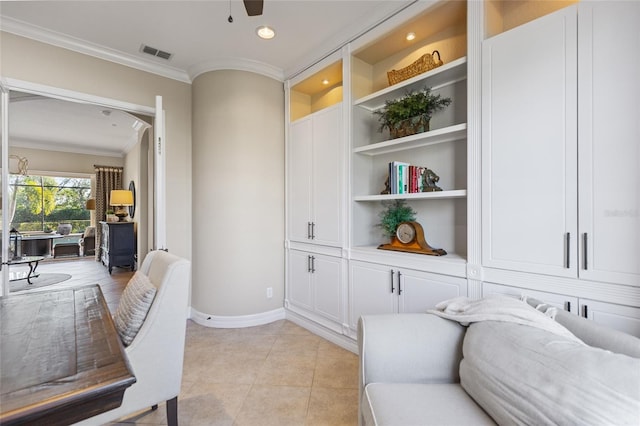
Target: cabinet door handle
392,287
308,263
567,250
567,306
308,230
399,283
584,250
313,264
585,311
313,230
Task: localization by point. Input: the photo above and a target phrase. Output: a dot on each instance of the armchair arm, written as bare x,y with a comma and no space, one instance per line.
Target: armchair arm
409,348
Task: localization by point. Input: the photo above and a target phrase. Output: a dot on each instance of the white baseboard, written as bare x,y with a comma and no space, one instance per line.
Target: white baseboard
330,335
241,321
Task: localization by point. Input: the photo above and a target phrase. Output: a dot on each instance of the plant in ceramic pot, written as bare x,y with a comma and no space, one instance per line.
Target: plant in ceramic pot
111,216
411,113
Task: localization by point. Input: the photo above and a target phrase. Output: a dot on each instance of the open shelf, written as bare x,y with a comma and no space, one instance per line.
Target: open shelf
437,77
439,195
446,134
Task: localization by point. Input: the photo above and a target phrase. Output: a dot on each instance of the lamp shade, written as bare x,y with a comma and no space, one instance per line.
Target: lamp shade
91,204
121,197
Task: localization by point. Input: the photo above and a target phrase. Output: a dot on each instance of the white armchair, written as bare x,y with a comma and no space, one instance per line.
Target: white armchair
157,351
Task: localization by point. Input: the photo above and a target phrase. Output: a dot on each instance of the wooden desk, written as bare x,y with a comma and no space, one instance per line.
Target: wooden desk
61,358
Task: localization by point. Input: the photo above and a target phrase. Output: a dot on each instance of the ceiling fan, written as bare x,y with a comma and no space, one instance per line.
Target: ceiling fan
253,7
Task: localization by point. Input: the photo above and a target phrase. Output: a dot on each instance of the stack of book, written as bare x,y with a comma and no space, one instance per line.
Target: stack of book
405,178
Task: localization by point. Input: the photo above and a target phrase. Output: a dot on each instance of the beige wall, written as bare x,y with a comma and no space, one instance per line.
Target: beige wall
28,60
55,161
238,191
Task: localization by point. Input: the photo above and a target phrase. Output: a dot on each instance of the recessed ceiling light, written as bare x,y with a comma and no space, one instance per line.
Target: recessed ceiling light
265,32
411,36
325,81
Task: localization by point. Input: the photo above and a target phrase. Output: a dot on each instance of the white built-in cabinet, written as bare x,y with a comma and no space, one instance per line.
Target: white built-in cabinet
619,317
315,286
383,289
609,142
537,156
561,147
529,165
315,178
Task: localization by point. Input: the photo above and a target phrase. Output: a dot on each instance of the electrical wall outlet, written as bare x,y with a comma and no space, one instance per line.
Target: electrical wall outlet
269,292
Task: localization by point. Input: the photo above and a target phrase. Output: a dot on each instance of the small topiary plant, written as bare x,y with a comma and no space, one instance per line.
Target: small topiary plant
396,212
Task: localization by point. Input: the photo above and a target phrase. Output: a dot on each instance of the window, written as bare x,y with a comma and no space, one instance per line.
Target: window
40,203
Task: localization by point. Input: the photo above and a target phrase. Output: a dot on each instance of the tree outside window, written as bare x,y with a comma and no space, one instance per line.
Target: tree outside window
40,203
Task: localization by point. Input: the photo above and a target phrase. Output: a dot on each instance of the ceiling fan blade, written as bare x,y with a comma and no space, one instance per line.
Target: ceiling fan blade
254,7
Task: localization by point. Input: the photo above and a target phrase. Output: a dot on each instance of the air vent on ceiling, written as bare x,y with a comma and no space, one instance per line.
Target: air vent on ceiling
155,52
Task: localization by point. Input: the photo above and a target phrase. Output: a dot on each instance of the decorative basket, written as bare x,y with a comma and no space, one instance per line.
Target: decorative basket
410,127
424,63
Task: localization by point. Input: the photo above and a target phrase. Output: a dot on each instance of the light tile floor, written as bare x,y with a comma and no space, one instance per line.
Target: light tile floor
275,374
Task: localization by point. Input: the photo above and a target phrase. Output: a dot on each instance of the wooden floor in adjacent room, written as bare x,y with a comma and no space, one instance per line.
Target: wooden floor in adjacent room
84,271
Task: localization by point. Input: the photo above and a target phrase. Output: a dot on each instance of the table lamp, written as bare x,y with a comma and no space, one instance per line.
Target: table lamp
121,198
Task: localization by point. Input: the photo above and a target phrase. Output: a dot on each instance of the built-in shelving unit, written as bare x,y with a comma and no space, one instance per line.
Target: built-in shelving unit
447,134
318,91
439,195
436,78
442,149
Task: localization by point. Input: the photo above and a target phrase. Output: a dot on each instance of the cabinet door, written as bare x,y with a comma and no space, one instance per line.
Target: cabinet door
623,318
299,179
327,182
327,286
529,147
373,290
299,285
609,138
420,291
560,301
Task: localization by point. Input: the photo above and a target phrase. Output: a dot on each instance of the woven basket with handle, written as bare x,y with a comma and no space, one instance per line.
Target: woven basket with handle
424,63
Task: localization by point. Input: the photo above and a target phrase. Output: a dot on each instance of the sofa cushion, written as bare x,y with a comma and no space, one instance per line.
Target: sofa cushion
524,375
420,404
590,332
134,306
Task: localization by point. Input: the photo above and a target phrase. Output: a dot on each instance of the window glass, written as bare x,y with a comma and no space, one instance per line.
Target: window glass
41,203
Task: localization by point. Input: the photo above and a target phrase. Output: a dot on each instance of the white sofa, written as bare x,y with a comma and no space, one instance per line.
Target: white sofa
157,351
410,373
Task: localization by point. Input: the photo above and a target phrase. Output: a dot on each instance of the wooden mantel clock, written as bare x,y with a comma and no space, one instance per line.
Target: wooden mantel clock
410,238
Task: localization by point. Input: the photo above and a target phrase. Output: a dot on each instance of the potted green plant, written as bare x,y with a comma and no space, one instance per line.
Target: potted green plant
411,113
396,212
111,215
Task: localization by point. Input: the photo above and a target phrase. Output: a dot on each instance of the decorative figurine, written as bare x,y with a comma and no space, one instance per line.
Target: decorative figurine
387,187
429,181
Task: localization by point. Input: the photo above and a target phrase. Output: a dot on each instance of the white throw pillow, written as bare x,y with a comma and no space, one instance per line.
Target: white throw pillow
134,306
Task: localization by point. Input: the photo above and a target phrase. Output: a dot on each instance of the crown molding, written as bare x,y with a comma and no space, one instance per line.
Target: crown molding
34,32
63,147
249,65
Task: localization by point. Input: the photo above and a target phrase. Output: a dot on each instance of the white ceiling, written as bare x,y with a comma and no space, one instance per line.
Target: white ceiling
196,33
45,123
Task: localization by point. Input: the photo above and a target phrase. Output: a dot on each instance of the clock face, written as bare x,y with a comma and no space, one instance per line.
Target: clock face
405,233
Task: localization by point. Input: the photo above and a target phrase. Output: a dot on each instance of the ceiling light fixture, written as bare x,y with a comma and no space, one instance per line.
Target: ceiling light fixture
411,36
265,32
325,81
